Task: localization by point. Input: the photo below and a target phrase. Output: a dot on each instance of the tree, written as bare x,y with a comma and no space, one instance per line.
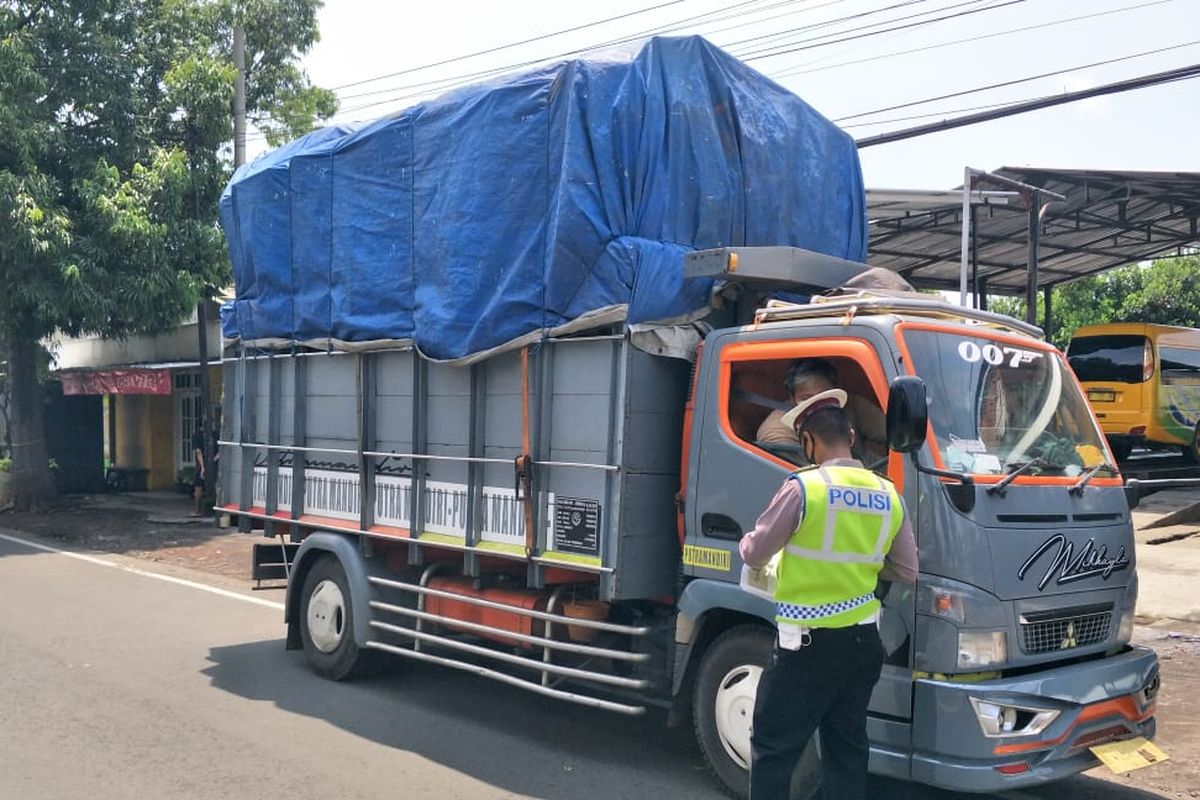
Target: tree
1170,294
114,117
1166,292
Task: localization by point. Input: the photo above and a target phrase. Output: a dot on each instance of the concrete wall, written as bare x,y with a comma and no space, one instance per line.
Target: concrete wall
145,437
179,344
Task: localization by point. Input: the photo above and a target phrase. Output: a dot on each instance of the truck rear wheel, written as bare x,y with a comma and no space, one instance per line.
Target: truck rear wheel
327,622
723,710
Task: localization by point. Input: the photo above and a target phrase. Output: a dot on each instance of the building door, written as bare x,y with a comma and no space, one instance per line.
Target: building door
75,442
186,393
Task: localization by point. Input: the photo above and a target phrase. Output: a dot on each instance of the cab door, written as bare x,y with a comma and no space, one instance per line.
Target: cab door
734,475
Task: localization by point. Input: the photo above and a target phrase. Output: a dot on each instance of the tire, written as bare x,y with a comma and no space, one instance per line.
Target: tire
327,623
723,702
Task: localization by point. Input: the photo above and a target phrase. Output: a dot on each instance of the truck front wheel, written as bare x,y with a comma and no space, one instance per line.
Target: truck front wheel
723,710
327,622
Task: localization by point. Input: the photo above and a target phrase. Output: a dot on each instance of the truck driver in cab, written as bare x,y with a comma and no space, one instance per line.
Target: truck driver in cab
806,379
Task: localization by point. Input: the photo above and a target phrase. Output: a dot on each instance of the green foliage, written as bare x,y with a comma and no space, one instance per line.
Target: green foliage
1166,292
115,116
280,99
115,120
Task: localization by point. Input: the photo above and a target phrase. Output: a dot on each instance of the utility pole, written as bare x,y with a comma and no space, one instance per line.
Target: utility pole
239,158
239,96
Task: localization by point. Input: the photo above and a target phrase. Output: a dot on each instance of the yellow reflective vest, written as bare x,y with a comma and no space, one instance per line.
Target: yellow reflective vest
828,570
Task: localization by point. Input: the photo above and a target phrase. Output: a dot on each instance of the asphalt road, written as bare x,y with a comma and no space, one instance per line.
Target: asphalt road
116,684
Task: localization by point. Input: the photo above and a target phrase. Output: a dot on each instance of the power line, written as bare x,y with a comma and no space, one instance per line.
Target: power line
510,45
941,113
827,23
441,84
798,69
719,15
423,88
1012,109
773,52
1003,84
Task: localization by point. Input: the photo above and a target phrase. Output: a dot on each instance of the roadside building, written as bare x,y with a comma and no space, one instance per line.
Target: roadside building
148,393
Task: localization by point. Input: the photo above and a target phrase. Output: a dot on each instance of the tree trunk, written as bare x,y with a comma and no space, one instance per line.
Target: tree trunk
32,487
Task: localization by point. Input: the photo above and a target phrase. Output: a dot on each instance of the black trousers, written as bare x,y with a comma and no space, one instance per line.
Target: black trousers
824,686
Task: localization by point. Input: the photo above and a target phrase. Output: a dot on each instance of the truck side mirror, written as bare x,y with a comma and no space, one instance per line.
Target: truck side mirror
907,414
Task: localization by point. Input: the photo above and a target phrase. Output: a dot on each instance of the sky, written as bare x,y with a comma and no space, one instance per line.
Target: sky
806,45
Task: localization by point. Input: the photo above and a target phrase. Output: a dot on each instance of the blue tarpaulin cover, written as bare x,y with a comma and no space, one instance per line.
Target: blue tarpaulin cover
511,208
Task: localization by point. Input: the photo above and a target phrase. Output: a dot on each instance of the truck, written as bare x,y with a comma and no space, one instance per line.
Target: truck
464,471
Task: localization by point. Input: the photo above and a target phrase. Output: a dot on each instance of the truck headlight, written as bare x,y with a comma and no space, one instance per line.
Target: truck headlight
1125,628
998,719
979,649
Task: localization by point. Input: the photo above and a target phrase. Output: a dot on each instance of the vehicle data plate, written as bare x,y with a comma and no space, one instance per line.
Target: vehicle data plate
1129,754
577,525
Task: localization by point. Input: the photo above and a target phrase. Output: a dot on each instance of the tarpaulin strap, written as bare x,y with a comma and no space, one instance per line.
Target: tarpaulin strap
523,464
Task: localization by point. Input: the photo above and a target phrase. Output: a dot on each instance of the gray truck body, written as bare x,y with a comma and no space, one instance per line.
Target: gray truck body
342,451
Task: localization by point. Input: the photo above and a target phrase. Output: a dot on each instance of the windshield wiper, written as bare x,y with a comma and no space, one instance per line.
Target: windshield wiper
1078,487
1020,470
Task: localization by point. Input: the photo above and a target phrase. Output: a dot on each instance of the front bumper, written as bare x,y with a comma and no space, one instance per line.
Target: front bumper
1099,701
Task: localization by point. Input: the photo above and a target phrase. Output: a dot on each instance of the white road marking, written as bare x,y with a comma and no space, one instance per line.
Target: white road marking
204,587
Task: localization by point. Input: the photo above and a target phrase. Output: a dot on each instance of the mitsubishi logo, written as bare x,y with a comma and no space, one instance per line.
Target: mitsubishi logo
1069,641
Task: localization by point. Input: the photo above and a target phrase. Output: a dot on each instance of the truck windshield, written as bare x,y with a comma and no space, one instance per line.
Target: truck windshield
996,406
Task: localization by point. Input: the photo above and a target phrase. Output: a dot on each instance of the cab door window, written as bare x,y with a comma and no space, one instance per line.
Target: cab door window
763,380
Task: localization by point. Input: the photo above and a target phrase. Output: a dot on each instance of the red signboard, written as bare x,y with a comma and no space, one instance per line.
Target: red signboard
117,381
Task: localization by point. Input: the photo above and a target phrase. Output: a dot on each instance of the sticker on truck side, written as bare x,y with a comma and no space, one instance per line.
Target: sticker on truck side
577,525
335,494
707,557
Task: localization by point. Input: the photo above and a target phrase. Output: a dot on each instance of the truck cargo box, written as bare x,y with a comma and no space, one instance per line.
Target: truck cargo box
546,202
437,443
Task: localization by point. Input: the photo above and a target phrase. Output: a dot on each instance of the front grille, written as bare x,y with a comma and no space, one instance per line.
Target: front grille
1100,737
1064,633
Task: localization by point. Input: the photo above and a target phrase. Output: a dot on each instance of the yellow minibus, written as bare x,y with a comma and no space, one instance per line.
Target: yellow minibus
1143,382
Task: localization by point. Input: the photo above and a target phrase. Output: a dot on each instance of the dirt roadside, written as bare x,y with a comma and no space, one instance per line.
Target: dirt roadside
158,529
154,527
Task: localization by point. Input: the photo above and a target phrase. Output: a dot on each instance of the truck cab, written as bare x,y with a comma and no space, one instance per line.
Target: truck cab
1011,655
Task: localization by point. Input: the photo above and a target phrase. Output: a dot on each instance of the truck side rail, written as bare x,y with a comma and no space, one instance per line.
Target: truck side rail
549,673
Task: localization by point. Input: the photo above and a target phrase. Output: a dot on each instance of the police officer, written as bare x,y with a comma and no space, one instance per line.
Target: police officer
835,529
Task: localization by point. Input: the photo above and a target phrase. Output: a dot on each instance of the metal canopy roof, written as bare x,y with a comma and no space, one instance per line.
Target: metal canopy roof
1107,220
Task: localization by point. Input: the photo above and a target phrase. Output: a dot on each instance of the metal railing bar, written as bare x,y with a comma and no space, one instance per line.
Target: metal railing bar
570,647
414,456
519,661
512,680
611,627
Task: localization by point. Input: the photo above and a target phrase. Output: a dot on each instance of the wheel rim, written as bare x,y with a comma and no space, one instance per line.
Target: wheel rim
734,705
326,616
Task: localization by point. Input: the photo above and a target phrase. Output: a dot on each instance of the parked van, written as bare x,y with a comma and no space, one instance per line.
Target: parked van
1143,381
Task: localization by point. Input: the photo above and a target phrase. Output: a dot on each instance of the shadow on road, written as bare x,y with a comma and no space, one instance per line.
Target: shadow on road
513,740
520,742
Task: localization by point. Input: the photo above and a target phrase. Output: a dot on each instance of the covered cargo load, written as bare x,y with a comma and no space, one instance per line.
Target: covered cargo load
543,203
